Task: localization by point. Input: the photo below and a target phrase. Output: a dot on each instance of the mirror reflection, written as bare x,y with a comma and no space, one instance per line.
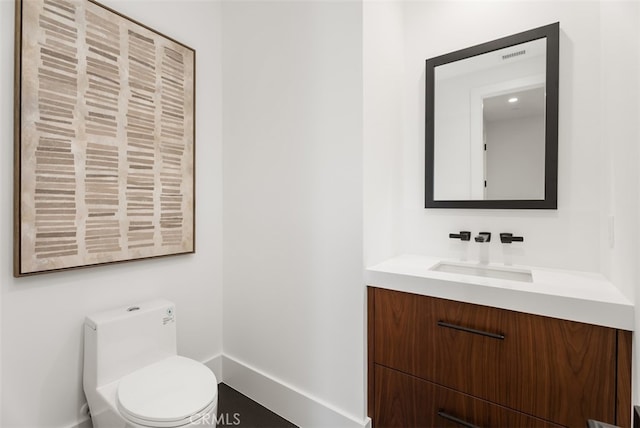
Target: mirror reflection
489,125
513,132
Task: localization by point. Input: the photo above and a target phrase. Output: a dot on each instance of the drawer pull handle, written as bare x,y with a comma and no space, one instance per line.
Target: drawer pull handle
456,420
471,330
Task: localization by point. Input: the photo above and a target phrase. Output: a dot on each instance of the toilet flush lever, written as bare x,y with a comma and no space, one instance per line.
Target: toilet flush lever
463,235
508,238
483,237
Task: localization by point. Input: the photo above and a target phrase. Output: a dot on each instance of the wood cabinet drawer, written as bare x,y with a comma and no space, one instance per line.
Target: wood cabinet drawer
406,401
561,371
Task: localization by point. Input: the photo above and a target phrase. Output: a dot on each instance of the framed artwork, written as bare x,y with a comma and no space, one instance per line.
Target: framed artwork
104,165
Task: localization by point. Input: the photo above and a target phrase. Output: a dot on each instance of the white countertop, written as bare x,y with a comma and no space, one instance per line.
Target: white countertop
577,296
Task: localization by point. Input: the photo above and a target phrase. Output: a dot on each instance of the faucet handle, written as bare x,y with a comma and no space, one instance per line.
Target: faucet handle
508,238
463,235
483,237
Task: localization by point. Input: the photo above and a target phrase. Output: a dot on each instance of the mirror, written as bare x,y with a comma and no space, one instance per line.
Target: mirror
492,124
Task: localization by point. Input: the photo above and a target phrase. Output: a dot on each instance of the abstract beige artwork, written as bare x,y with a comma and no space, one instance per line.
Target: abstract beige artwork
104,138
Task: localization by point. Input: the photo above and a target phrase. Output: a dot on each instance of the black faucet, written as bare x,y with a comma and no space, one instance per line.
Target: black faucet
508,238
463,235
483,237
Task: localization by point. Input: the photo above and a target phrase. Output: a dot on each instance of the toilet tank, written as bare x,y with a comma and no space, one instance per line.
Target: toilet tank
120,341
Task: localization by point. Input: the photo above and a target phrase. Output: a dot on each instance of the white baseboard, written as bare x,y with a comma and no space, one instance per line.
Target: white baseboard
290,403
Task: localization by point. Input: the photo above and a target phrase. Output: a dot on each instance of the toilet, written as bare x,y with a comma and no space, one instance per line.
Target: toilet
133,376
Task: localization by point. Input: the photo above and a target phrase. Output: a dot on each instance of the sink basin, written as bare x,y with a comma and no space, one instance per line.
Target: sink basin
512,274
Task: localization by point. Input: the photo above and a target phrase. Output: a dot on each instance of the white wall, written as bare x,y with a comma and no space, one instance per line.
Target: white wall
383,83
293,287
620,68
41,336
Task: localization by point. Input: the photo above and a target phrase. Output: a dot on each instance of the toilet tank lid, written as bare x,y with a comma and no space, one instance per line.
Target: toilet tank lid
173,389
111,315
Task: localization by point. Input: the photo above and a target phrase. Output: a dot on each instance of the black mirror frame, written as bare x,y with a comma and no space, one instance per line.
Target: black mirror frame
550,201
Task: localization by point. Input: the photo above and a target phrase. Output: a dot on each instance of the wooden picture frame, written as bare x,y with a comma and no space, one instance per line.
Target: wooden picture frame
104,139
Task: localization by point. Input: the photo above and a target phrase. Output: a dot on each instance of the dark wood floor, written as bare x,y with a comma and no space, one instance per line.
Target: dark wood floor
237,410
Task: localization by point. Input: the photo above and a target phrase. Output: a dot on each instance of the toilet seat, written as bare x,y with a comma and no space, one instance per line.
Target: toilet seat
170,393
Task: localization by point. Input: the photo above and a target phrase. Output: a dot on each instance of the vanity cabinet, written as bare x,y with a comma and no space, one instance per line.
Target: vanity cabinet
437,362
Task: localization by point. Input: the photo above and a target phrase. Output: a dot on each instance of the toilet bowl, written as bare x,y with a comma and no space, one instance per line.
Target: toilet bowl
133,376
